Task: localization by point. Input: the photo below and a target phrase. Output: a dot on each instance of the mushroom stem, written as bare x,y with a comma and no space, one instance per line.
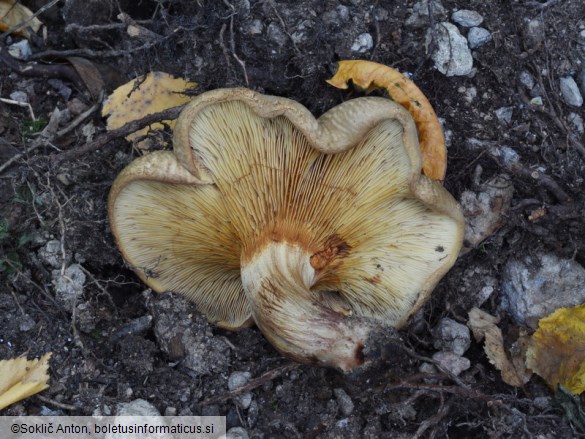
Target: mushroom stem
277,282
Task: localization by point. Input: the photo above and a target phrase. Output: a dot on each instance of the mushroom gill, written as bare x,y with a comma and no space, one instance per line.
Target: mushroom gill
252,221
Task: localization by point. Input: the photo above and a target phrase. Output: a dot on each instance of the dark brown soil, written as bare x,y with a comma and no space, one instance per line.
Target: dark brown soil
123,342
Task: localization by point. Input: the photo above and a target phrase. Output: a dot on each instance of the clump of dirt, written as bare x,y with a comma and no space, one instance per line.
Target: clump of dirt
117,341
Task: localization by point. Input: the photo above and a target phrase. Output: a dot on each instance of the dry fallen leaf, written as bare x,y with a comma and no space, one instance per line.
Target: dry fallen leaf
145,95
483,325
556,350
370,75
12,13
21,378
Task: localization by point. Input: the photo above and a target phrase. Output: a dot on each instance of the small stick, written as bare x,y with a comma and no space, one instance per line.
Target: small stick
252,384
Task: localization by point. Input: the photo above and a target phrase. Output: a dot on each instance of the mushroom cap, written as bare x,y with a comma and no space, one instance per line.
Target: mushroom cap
249,172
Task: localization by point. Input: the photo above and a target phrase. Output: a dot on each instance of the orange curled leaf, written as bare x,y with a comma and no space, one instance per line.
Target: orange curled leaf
370,75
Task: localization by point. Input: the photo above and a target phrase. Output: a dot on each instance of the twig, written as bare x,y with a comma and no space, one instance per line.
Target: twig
42,140
20,104
57,404
252,384
29,19
433,420
123,131
89,53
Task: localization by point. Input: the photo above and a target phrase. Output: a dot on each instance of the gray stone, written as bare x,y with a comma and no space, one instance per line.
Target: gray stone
526,79
452,362
420,13
363,43
255,27
344,400
504,114
452,336
485,210
451,54
50,254
478,36
535,285
467,18
576,122
20,50
534,34
138,407
237,380
125,416
26,323
69,285
19,96
570,92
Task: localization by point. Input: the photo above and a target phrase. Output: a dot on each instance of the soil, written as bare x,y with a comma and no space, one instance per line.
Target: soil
119,341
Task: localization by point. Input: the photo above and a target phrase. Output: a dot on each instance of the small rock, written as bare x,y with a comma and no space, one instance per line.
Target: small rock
452,362
451,55
255,27
452,336
485,210
60,88
19,96
363,43
576,121
537,101
526,79
237,380
534,34
478,36
237,433
68,286
467,18
171,411
344,400
20,50
469,93
138,407
420,13
276,34
126,413
50,254
504,114
25,323
537,284
570,92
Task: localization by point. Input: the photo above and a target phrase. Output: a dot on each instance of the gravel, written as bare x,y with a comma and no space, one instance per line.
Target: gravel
467,18
570,92
344,400
478,36
537,284
452,336
451,56
452,362
362,43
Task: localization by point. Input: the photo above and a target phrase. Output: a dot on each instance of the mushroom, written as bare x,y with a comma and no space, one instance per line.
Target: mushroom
315,230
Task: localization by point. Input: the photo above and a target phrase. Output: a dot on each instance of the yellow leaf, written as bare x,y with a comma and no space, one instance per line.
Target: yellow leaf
13,13
370,75
21,378
483,325
145,95
556,350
